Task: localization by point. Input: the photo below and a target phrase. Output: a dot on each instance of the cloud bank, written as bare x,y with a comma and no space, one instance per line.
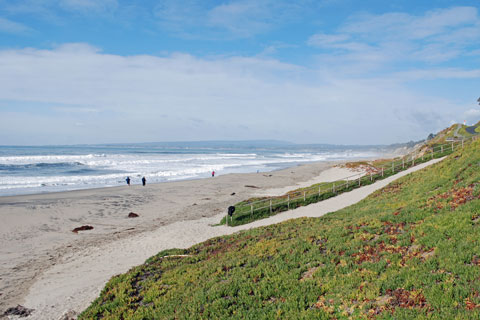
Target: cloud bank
372,78
76,93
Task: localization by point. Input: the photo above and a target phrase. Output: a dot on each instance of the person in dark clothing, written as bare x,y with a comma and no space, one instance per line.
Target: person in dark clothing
128,180
144,181
213,174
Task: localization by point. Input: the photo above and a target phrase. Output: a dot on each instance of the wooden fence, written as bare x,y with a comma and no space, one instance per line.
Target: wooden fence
251,211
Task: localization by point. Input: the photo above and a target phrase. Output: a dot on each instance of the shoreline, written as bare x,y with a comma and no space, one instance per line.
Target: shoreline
277,167
37,229
69,287
293,165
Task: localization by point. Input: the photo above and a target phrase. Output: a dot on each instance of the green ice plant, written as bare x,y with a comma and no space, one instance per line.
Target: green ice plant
409,251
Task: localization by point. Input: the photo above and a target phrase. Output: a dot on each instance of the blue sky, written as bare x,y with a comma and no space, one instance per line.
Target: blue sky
332,71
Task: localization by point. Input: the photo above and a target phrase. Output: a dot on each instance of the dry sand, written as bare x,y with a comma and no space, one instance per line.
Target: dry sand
46,267
36,230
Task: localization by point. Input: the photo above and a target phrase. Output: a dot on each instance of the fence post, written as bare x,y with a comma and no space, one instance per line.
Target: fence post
382,171
251,209
371,177
304,198
393,166
413,160
227,219
270,205
319,190
441,148
359,183
347,183
333,187
403,163
288,202
452,146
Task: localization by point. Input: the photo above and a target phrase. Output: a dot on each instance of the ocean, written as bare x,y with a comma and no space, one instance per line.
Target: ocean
41,169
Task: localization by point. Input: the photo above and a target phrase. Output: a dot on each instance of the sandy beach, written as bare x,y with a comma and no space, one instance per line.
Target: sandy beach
36,230
47,267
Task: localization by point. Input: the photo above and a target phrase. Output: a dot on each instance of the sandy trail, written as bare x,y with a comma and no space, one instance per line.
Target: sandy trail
36,230
77,279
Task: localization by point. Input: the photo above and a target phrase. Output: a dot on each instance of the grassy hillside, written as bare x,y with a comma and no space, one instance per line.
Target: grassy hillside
262,207
409,251
449,132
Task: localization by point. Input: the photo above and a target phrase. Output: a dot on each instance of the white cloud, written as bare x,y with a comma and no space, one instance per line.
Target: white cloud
241,18
472,112
227,20
435,53
53,11
437,36
151,98
327,40
9,26
432,74
394,25
471,116
439,21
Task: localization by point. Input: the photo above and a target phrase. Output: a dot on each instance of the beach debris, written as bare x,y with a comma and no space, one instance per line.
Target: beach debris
206,199
250,186
233,193
82,228
19,310
133,215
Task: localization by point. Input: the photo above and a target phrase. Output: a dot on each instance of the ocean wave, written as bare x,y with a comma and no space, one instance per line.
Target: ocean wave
35,159
47,173
41,165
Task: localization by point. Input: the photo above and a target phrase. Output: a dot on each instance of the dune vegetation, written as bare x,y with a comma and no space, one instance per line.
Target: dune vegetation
370,171
408,251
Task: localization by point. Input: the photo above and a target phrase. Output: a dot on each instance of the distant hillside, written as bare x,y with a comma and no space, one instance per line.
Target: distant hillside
262,144
219,144
408,251
455,132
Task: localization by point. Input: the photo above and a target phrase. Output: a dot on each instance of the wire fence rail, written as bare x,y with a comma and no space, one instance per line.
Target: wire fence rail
249,211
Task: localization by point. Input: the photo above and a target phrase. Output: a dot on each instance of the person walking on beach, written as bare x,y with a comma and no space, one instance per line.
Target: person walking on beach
128,180
144,181
213,174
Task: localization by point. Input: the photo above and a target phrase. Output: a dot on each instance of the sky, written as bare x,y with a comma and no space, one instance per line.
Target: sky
323,71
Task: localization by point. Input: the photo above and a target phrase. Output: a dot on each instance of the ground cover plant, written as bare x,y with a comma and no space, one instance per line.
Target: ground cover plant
408,251
263,207
442,136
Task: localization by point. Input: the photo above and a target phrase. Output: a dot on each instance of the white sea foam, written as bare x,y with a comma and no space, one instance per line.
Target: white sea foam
99,169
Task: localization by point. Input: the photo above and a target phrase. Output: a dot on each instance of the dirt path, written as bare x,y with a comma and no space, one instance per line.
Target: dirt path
456,134
74,282
36,230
